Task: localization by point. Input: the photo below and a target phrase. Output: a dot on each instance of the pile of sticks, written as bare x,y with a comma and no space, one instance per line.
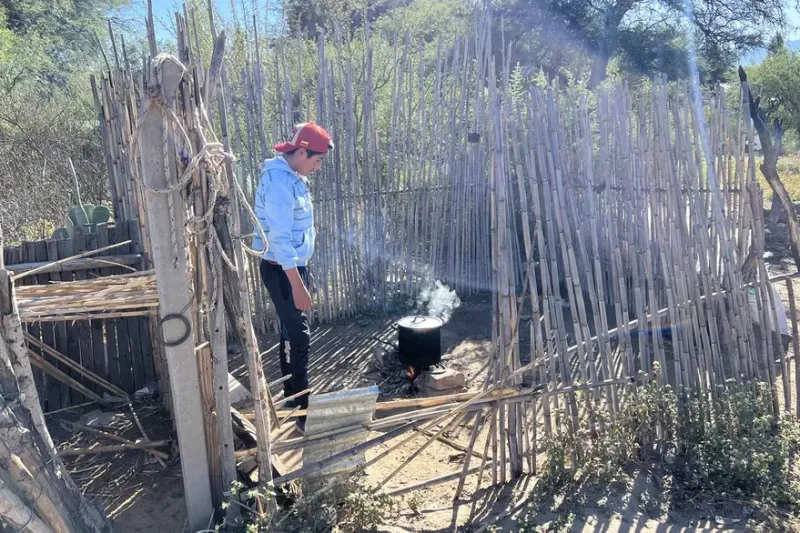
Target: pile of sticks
108,297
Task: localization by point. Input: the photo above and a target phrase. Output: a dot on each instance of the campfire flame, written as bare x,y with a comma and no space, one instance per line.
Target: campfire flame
412,373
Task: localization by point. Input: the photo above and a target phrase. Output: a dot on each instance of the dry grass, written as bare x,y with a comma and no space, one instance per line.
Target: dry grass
789,171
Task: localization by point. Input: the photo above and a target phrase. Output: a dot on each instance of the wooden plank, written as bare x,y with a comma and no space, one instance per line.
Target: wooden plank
5,292
112,351
83,263
98,349
124,331
80,244
45,330
102,232
12,256
114,448
110,359
143,323
112,326
88,348
99,353
29,254
85,326
52,389
147,349
59,340
73,350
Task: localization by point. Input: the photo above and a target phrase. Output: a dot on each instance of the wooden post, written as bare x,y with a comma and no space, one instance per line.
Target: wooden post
17,353
237,304
237,298
164,211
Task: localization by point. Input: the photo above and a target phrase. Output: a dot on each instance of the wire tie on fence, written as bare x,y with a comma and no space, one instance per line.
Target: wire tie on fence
179,341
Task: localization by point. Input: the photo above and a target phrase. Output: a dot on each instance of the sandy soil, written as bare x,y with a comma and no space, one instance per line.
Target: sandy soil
133,489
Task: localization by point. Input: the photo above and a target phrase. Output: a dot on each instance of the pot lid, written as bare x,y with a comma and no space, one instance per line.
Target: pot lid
420,322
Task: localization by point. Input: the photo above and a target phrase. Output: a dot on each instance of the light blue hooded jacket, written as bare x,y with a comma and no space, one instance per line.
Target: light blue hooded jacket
284,210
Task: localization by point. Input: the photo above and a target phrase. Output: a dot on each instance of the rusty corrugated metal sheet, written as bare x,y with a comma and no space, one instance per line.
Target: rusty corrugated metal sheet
336,410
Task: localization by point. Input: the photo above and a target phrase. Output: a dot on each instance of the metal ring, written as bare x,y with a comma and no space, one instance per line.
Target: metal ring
174,316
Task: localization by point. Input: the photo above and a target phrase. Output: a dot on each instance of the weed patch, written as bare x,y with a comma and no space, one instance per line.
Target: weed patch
342,507
664,454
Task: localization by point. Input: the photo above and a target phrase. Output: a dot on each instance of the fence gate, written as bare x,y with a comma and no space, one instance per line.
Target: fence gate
119,350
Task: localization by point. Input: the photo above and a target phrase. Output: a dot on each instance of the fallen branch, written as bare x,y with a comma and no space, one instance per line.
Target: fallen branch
72,452
73,426
283,402
51,370
436,401
453,444
45,267
88,374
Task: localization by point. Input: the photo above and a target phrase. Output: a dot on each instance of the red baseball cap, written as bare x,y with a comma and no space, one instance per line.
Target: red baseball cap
309,136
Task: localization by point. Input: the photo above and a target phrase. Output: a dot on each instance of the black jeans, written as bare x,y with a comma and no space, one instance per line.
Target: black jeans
294,329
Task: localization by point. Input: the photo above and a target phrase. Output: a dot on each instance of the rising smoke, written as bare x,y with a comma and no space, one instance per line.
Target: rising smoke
438,300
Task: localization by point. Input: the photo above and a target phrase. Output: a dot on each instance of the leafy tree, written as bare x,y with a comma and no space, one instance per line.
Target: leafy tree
776,81
49,39
646,35
310,17
776,44
47,115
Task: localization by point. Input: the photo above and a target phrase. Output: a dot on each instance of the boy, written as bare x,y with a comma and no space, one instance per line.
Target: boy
284,211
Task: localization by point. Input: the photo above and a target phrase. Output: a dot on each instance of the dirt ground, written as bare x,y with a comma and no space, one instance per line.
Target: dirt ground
141,496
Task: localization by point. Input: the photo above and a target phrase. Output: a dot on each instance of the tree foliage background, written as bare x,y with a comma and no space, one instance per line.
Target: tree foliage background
48,48
47,116
776,81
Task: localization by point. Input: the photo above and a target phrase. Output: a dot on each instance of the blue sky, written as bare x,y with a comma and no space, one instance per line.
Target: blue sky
164,12
793,18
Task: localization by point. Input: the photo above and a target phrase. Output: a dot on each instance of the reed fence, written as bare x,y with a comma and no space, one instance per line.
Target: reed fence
620,232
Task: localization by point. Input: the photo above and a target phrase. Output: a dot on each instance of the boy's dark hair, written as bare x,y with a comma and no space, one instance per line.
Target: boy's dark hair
309,153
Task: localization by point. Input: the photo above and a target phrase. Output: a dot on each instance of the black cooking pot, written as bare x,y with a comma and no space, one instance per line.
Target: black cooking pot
420,341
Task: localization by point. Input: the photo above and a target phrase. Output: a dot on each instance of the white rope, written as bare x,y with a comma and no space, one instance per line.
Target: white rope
211,161
256,223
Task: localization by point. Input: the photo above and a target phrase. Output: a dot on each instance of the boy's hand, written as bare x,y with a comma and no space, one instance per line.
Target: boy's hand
302,298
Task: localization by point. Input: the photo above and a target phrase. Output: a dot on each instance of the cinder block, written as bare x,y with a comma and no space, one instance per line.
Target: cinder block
447,379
